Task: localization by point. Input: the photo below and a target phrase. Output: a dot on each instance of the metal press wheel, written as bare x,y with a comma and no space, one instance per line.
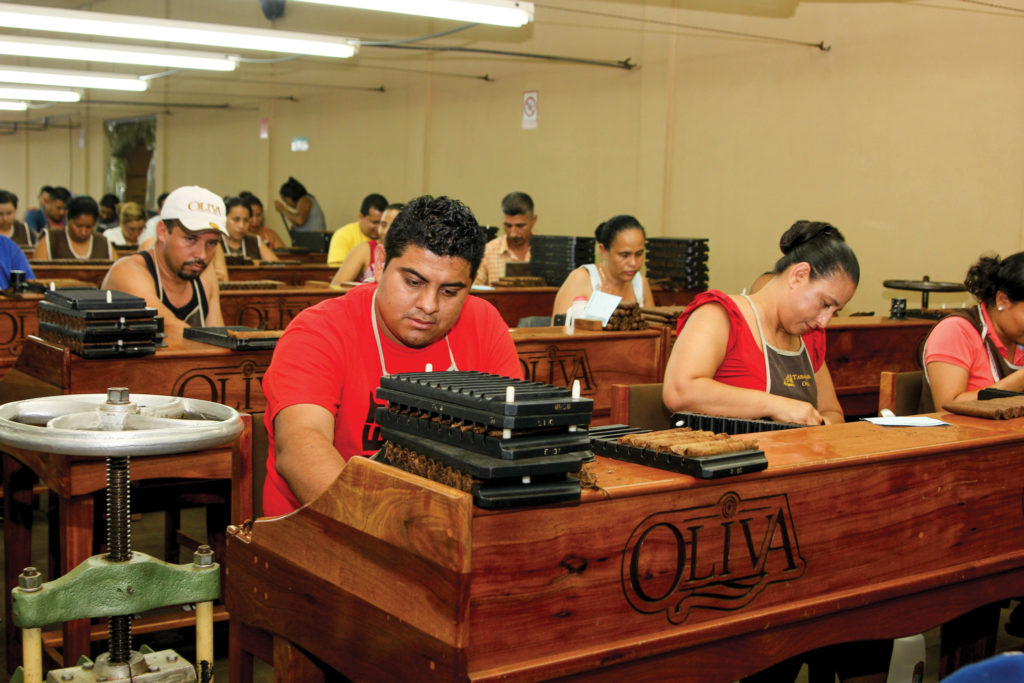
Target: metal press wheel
116,423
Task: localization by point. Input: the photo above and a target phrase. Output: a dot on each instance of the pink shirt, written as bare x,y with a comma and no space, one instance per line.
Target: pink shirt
955,341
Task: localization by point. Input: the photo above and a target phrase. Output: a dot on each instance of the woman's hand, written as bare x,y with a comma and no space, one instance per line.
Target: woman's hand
795,411
279,206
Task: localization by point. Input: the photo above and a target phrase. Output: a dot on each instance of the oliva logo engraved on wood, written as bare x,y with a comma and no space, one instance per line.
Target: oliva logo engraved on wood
717,556
560,367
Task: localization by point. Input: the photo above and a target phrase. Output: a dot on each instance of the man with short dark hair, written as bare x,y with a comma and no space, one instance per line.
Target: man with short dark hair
173,276
79,240
366,228
108,213
514,245
10,226
52,213
321,385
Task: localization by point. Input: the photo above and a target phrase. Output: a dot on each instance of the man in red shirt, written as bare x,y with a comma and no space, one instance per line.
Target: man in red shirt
322,382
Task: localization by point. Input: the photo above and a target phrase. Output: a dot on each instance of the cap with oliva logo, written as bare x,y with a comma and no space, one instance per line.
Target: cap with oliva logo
196,208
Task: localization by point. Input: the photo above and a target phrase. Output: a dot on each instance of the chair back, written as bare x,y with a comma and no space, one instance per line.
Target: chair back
905,393
639,405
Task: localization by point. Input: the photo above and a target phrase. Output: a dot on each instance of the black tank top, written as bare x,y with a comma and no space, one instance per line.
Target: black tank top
194,312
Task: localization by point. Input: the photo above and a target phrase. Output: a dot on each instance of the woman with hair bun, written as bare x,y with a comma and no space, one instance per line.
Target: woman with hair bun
621,241
763,355
980,347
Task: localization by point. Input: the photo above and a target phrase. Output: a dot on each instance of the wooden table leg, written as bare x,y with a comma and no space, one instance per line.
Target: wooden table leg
292,664
76,519
968,638
17,481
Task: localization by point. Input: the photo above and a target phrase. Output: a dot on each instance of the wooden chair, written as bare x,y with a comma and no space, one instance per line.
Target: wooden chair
639,405
904,393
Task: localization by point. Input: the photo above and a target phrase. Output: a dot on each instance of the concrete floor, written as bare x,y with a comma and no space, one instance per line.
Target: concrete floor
147,536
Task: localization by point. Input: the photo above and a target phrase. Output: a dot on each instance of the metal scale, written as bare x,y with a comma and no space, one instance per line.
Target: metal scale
122,582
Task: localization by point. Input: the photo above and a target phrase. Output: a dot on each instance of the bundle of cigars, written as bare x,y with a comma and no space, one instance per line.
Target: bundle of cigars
1005,408
521,281
233,285
661,316
689,442
696,452
626,317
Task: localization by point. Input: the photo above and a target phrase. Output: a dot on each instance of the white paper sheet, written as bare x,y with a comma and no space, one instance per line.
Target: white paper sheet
907,421
600,306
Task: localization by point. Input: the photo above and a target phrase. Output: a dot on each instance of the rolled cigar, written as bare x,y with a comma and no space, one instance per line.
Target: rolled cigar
254,334
728,445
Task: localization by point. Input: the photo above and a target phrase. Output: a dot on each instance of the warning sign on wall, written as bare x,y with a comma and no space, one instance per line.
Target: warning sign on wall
530,98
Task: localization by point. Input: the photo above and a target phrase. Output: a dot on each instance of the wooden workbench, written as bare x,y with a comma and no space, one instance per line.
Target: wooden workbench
853,532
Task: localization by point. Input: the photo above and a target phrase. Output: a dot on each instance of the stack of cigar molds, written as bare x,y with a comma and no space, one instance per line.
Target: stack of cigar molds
99,323
506,441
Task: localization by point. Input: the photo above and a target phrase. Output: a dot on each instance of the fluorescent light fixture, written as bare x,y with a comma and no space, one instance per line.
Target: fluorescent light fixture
117,54
171,31
39,95
71,79
499,12
13,106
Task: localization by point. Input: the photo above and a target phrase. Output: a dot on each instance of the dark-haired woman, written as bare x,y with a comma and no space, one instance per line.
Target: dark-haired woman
621,241
763,355
980,347
256,226
79,239
300,208
238,241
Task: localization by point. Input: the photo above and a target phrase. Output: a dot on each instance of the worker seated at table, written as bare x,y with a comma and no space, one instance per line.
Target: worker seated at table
79,240
321,384
980,347
132,221
366,228
256,226
621,241
518,221
238,241
173,276
763,355
358,265
10,226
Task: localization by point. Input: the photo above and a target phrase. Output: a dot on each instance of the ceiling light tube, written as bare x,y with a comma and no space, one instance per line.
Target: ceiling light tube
497,12
39,95
71,79
116,54
171,31
7,105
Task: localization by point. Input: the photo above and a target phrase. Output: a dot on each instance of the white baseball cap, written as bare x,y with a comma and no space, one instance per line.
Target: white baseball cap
196,208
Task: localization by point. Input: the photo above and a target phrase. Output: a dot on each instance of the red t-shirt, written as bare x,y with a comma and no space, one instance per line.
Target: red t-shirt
328,357
743,365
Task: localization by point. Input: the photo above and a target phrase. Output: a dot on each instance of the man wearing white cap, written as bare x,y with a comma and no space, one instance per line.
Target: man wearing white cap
173,276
